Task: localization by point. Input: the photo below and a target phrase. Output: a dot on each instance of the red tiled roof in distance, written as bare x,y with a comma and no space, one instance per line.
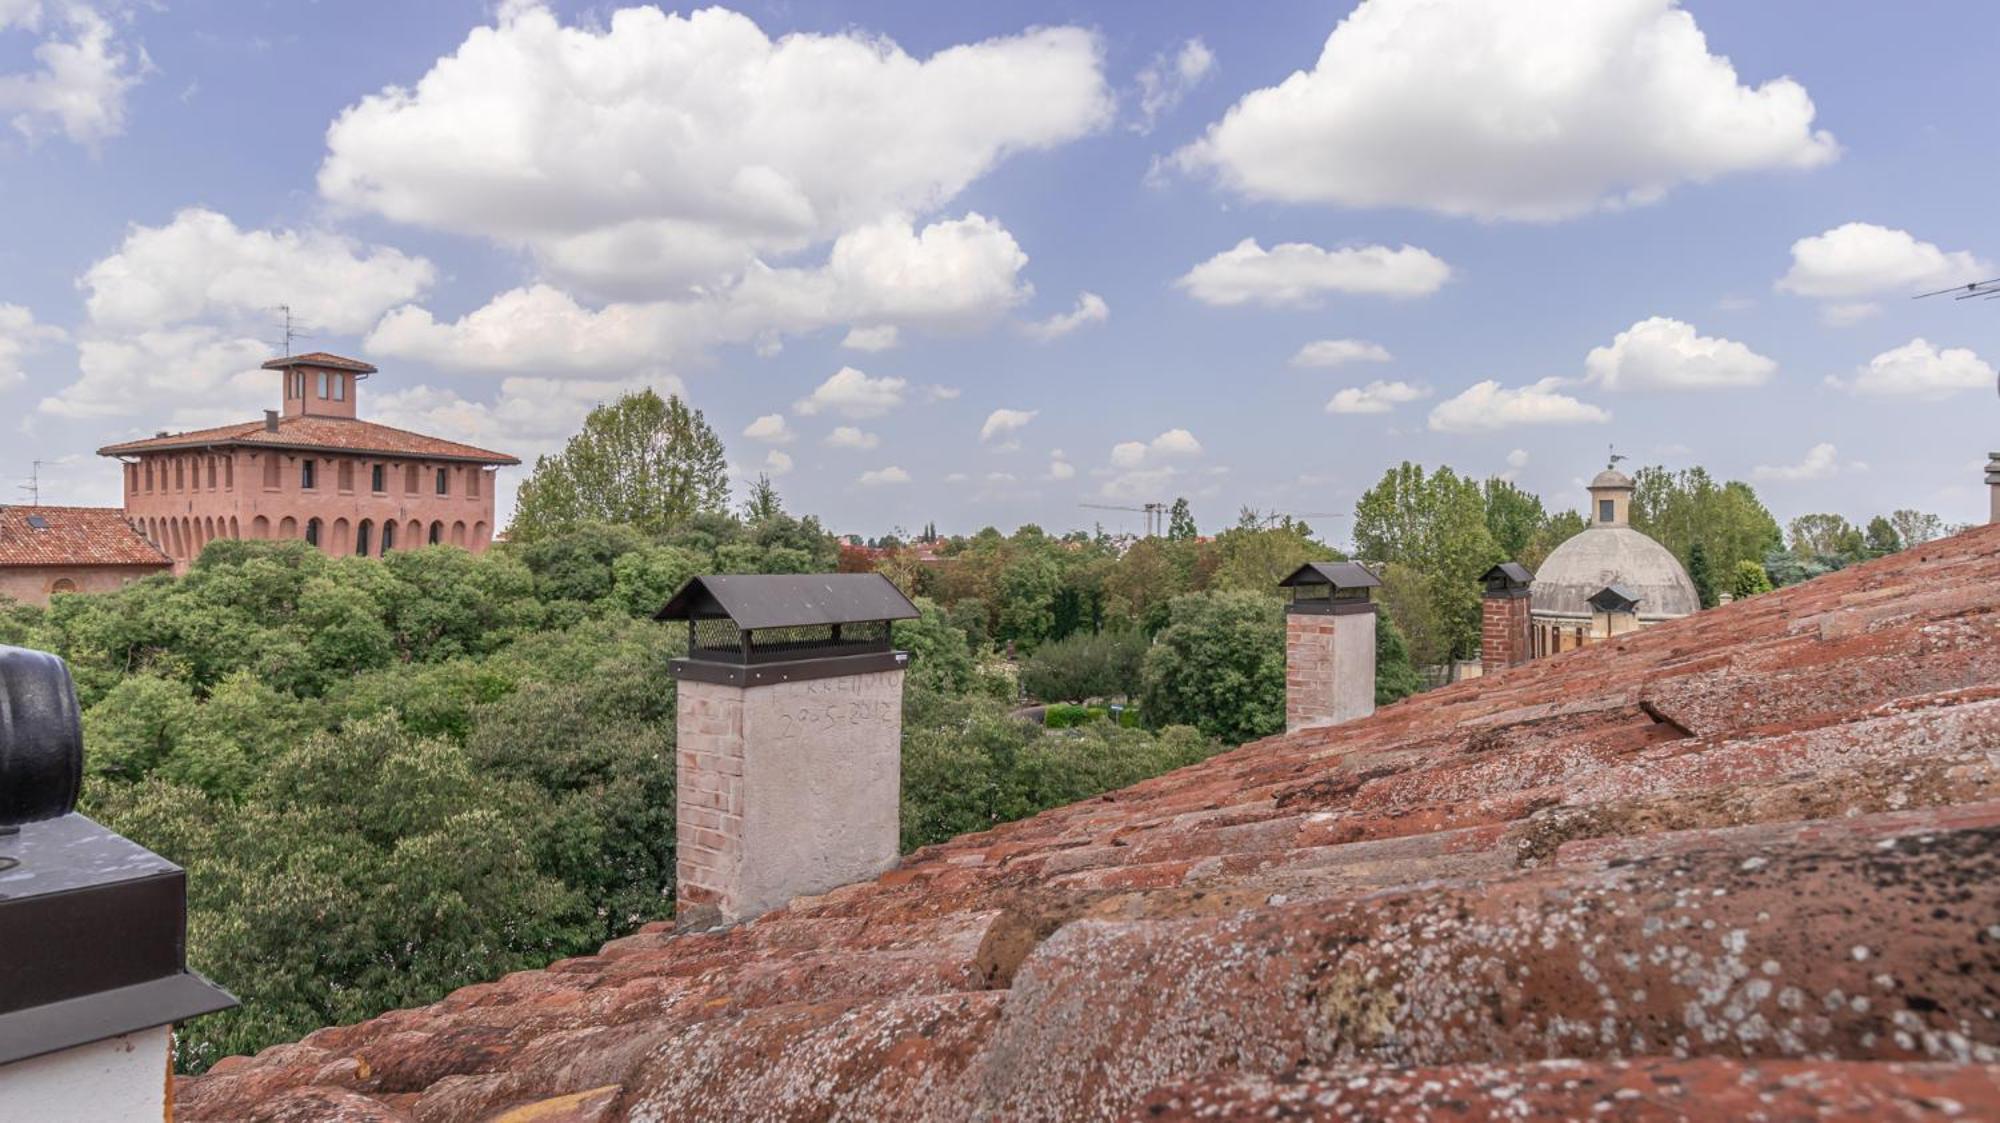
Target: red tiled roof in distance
341,434
73,536
319,359
1743,862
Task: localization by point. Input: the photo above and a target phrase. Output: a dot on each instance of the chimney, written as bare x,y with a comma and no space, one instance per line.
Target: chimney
1993,483
789,738
95,927
1504,625
270,421
1613,612
1329,644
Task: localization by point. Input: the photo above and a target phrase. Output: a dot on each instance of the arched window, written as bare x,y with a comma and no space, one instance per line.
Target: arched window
63,585
437,534
388,537
362,534
312,532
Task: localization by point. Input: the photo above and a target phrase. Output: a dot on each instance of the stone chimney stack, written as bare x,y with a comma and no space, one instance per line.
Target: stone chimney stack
790,728
95,927
1993,483
1504,620
1329,644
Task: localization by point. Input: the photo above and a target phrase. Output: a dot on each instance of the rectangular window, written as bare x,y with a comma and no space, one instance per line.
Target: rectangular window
410,480
340,388
308,474
149,474
271,471
211,473
347,475
1604,507
322,386
180,474
472,482
229,473
376,481
444,481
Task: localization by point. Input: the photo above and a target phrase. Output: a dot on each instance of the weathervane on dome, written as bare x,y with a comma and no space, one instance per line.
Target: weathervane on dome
1616,456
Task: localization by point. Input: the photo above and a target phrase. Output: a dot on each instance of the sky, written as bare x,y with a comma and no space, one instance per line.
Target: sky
986,264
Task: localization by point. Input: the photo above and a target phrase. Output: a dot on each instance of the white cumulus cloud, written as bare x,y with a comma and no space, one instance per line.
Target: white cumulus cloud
776,463
1339,352
1821,462
771,429
201,264
1920,369
848,436
1298,273
1508,109
656,148
1487,406
1376,397
1164,81
1854,261
19,335
81,75
1665,354
853,394
1001,422
882,477
878,337
1090,309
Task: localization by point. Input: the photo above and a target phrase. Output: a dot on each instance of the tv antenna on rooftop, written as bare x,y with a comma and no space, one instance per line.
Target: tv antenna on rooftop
291,330
32,487
1984,290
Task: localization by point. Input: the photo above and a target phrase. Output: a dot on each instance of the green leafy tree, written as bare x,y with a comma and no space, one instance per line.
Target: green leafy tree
641,461
1256,557
1701,575
1678,509
1085,666
1436,525
1219,665
763,502
1560,528
1914,528
1830,539
1513,516
1749,580
645,579
1180,522
1396,676
1881,538
1407,605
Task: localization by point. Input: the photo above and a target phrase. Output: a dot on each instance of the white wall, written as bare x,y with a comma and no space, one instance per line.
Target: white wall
110,1081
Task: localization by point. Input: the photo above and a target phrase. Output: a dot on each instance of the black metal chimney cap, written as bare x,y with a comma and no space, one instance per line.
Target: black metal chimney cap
1340,575
790,600
41,738
1508,579
1614,598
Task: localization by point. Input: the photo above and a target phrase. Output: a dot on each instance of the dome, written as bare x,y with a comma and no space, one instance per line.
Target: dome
1611,477
1613,555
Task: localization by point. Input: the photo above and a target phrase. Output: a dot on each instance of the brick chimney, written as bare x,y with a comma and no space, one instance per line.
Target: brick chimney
1993,484
94,927
1504,621
789,738
1329,644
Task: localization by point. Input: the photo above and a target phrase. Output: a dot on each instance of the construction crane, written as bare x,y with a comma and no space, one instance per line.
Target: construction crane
1156,515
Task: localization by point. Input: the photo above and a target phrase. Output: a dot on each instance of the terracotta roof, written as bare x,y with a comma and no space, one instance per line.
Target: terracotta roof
73,536
319,359
344,434
1744,864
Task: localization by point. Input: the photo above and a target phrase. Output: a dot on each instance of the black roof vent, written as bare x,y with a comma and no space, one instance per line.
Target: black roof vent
37,522
95,926
1614,598
1328,588
1508,579
757,628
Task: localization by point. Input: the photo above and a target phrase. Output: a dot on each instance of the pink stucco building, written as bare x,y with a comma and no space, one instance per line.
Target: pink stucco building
313,470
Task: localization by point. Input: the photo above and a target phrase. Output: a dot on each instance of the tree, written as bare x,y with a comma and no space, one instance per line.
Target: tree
1678,509
1396,677
1180,522
1749,580
1085,666
1830,539
1257,558
1699,573
1513,516
1406,604
762,504
1219,665
1914,528
641,461
1881,538
1436,525
1560,528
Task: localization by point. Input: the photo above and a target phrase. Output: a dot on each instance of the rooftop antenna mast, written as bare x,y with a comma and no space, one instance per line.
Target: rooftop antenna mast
291,330
1983,290
33,486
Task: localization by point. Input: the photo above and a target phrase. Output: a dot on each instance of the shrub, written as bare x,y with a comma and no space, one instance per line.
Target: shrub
1219,665
1083,666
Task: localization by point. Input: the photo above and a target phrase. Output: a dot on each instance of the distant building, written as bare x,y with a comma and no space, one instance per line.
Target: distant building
1565,607
49,550
311,470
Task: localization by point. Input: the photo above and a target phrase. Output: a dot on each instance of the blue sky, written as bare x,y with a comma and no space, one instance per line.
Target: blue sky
860,236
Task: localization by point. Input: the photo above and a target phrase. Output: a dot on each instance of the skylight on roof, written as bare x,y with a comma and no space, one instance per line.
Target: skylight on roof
38,522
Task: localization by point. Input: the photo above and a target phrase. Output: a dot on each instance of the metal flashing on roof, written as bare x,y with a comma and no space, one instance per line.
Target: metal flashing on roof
1340,575
790,600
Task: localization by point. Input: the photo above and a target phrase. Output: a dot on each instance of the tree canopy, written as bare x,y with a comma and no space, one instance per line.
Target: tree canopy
642,461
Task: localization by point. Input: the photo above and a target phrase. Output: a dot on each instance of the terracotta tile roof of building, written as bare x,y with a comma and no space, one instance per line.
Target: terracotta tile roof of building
319,359
1744,862
342,434
73,536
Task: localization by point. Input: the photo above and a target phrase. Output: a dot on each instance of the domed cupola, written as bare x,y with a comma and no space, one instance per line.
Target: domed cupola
1610,552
